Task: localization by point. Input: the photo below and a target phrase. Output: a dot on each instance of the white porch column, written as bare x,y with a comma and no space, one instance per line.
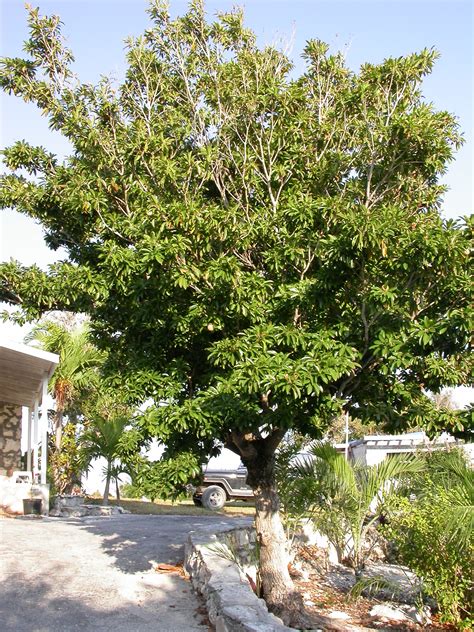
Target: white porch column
28,448
44,430
36,437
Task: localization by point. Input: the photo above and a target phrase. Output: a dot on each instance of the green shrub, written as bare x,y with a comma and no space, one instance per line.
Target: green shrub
67,464
433,536
128,490
442,467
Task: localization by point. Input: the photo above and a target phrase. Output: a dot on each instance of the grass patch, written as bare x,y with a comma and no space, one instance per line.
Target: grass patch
181,508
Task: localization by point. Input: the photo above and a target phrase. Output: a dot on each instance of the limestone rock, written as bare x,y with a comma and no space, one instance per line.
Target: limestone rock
337,614
388,613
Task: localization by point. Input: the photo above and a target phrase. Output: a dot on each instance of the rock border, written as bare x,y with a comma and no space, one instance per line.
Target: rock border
231,603
81,511
220,564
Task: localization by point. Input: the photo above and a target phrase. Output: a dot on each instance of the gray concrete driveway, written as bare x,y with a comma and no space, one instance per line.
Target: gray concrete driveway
97,574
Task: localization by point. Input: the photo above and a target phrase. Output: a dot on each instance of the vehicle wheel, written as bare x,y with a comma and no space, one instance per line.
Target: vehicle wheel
213,498
197,502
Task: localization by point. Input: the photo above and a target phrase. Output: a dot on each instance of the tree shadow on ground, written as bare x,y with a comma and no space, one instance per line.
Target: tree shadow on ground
137,542
42,606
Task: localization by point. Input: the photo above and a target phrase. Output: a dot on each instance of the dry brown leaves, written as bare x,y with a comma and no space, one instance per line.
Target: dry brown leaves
171,569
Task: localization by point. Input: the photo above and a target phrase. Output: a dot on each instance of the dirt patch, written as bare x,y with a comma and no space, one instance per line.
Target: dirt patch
325,589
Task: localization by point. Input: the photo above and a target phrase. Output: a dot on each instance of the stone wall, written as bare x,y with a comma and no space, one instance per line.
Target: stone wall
10,437
231,603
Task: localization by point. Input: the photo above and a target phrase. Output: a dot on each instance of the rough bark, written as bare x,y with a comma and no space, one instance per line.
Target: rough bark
58,429
258,455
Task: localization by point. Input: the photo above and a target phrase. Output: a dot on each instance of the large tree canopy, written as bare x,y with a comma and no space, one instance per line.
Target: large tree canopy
256,250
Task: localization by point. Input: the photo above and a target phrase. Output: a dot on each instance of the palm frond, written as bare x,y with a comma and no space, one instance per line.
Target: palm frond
372,586
102,437
459,523
79,359
381,478
332,460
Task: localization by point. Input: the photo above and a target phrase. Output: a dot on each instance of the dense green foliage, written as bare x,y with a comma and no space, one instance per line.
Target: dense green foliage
66,465
129,490
433,533
256,250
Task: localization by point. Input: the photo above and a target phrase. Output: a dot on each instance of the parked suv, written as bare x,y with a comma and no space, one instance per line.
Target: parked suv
219,486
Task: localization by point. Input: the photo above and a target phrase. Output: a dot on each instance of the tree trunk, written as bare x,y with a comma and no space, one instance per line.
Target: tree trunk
58,429
107,484
275,579
117,489
277,586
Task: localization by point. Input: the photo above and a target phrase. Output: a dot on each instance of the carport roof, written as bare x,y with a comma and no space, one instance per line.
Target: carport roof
22,371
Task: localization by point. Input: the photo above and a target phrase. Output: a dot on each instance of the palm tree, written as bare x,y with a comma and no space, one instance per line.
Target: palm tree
79,360
116,470
460,521
104,428
347,499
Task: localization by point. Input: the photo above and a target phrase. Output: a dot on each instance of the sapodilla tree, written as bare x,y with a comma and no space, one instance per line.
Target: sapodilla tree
257,251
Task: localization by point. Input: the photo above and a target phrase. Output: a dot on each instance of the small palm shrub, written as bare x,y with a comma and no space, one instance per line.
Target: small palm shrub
346,500
102,436
295,492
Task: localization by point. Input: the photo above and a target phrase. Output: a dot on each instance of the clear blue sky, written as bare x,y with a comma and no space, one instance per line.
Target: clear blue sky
371,30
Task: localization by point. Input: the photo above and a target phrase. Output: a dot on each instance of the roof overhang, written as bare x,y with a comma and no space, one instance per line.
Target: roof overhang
22,372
